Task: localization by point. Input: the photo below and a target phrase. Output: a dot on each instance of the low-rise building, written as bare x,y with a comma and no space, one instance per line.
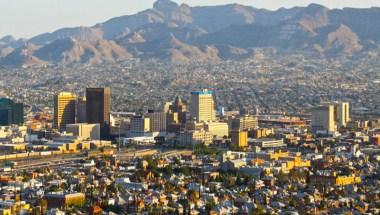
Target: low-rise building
63,200
239,138
267,143
191,138
333,179
217,129
84,131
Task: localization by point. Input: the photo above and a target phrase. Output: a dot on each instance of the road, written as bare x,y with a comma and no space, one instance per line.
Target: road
61,160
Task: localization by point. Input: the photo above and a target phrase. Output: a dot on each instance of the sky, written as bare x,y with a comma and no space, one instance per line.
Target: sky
27,18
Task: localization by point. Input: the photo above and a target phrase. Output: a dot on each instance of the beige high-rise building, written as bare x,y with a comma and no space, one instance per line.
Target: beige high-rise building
342,114
202,106
323,118
64,109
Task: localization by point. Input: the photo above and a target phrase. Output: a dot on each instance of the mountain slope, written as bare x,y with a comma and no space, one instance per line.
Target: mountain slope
22,56
172,49
79,51
181,33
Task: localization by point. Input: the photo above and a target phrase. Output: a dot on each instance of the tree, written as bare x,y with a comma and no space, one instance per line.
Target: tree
26,178
168,170
292,203
323,205
185,170
169,187
258,211
192,195
209,206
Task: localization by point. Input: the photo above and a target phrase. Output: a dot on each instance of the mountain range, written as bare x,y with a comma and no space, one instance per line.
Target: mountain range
183,34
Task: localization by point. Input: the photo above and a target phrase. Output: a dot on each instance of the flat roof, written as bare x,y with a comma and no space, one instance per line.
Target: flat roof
202,93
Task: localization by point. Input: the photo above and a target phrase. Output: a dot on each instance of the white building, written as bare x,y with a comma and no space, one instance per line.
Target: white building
84,131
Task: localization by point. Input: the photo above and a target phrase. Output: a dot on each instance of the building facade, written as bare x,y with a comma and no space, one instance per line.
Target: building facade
244,123
84,131
329,117
323,119
202,106
81,110
192,138
217,129
64,109
239,138
98,108
64,200
157,121
179,108
342,114
11,112
140,124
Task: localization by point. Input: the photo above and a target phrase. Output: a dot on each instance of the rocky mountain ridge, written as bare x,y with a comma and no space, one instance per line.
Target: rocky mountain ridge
180,33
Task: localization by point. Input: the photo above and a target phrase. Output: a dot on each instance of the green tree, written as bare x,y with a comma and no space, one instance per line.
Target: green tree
209,206
258,211
169,187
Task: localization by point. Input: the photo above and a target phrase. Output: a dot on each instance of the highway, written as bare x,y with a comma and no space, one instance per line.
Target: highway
61,160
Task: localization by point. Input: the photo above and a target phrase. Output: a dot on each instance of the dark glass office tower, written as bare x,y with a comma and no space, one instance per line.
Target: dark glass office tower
98,107
11,112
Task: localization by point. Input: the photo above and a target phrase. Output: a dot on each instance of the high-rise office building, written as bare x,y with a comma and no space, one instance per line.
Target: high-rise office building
342,114
64,109
176,111
140,124
179,107
202,106
172,118
323,118
331,116
167,107
11,112
157,121
98,108
81,110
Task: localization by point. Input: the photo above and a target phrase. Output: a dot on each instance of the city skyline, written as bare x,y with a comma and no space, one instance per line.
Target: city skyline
25,19
180,109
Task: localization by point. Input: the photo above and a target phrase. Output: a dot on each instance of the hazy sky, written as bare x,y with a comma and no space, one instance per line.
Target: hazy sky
26,18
